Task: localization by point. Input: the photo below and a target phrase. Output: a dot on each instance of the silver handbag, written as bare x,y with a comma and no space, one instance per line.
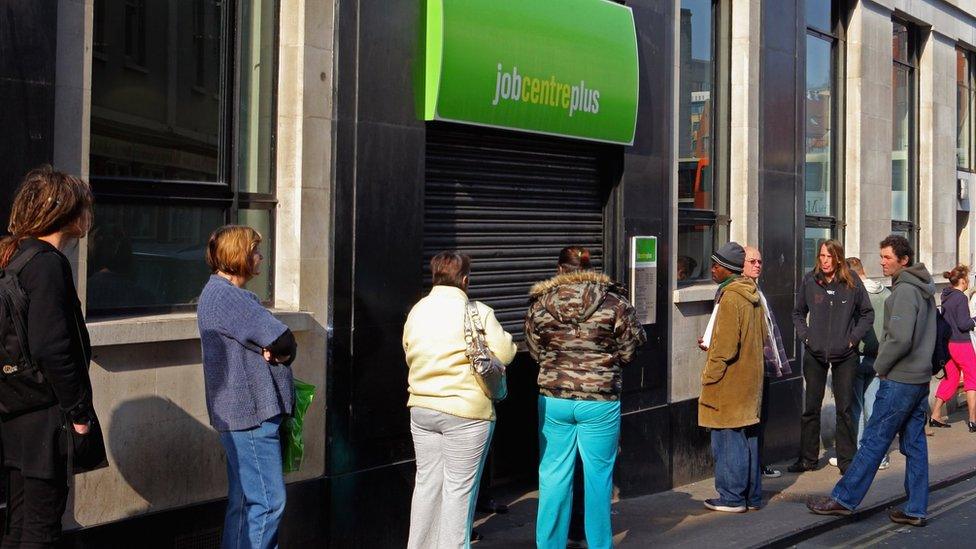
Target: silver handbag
488,371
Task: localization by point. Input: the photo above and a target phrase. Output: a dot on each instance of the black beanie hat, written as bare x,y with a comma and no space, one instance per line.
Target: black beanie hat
731,256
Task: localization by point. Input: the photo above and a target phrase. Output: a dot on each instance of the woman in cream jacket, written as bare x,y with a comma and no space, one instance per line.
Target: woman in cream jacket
451,418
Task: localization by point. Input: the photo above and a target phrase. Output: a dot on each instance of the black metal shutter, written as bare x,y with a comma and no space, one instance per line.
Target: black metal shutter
511,201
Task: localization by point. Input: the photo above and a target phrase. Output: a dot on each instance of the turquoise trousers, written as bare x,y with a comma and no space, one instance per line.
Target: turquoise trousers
565,427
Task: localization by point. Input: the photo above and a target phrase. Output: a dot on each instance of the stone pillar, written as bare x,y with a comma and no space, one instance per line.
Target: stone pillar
304,156
72,106
744,123
937,159
868,125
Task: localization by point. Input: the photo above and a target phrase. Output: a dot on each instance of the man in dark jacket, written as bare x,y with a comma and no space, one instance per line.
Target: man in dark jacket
831,316
904,365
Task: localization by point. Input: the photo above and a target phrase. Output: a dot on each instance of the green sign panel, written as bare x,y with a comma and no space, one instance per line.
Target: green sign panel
566,67
646,250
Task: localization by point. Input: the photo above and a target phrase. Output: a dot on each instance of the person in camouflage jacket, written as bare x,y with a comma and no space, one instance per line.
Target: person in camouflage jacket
581,330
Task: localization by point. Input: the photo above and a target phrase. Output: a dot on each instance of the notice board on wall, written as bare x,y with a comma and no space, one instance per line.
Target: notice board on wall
643,277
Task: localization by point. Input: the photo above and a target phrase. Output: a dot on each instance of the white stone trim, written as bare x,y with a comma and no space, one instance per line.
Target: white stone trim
698,292
171,327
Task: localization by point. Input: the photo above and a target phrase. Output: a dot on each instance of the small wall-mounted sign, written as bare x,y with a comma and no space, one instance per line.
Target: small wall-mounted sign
643,277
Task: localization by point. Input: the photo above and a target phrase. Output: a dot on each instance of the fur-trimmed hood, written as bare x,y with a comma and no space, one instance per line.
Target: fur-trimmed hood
574,297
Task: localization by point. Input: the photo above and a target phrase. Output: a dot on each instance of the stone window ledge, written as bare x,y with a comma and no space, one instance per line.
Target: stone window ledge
170,327
704,291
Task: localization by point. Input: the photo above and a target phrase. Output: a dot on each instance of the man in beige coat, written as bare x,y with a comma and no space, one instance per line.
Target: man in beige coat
732,385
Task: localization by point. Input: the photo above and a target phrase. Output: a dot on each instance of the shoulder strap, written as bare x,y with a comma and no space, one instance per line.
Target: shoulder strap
475,316
21,259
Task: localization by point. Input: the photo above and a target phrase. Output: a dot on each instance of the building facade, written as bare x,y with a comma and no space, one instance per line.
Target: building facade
776,123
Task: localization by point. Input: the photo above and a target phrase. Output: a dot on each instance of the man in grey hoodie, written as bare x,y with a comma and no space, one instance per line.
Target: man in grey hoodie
904,365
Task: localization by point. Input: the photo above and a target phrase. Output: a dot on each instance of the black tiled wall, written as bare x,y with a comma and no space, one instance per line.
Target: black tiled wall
781,206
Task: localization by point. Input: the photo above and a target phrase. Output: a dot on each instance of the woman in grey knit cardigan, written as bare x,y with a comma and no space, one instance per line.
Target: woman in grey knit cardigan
246,354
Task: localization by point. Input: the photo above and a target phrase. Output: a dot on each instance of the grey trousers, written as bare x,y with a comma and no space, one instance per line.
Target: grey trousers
451,453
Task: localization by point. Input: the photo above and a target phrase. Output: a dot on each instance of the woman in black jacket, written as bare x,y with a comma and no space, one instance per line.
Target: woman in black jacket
51,211
840,314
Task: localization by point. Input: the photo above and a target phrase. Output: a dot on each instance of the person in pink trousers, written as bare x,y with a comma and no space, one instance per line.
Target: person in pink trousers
955,310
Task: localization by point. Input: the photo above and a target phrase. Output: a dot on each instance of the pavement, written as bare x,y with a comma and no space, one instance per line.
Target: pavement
677,518
951,522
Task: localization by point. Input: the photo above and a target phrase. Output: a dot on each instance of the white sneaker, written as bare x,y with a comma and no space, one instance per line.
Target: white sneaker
832,461
885,463
717,505
769,472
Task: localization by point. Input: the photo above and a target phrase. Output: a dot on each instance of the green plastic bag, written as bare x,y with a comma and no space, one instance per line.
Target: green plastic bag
292,443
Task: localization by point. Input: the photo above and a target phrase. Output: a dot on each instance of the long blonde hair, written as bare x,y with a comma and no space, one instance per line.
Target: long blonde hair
47,201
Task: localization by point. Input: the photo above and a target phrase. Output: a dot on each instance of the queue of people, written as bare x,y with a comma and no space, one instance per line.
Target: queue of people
878,345
876,342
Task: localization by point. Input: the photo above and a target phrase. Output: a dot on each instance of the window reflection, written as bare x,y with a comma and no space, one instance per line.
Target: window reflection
260,220
899,42
155,91
813,238
147,255
964,116
162,131
818,14
696,145
901,124
694,251
819,91
695,80
256,85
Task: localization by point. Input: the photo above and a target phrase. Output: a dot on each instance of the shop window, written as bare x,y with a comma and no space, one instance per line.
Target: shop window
134,24
823,148
702,147
98,30
173,155
904,150
965,101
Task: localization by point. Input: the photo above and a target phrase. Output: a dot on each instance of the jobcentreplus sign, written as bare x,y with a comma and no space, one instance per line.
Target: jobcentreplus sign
512,86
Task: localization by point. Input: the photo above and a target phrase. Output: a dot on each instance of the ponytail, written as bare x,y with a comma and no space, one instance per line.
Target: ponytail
957,273
574,258
8,247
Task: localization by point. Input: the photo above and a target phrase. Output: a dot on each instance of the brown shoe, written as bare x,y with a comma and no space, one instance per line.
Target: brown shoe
825,505
901,518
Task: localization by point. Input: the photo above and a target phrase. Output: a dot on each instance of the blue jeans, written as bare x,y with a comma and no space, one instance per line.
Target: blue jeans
899,409
866,384
738,473
592,428
255,486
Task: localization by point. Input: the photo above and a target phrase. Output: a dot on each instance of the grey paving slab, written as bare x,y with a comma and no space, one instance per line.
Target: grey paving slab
677,518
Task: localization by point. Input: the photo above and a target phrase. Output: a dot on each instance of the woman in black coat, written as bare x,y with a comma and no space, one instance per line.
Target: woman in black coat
51,211
832,314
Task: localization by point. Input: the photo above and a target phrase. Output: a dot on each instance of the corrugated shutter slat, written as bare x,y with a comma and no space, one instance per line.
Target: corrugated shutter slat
511,201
